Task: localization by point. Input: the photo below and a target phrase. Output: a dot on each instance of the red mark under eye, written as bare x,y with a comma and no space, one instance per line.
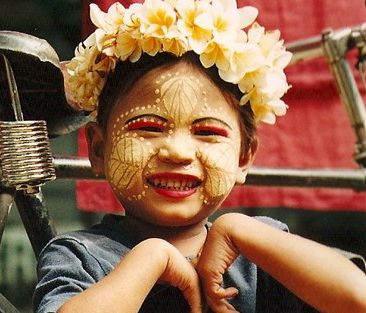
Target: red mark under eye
150,126
204,130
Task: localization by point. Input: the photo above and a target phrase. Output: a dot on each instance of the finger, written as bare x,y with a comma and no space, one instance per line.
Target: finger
221,306
224,293
216,291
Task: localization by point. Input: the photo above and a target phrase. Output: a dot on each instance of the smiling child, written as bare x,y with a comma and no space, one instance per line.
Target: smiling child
177,88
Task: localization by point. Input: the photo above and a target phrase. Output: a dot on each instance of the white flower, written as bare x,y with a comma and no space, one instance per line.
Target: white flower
108,24
271,46
264,88
151,45
228,19
244,58
216,53
196,22
175,42
131,20
213,29
157,18
128,47
267,111
268,81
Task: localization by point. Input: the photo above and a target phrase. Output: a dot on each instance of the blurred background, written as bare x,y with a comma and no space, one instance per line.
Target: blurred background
60,23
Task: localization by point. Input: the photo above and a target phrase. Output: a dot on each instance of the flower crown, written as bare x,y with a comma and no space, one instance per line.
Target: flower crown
219,32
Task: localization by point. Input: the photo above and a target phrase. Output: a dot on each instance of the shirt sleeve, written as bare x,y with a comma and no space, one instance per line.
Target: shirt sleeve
65,268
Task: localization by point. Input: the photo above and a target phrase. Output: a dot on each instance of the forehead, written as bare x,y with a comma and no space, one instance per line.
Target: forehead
180,92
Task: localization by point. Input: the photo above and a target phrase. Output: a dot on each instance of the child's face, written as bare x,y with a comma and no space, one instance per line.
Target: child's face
172,147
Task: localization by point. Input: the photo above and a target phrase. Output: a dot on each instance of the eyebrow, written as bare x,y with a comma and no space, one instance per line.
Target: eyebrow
204,119
146,116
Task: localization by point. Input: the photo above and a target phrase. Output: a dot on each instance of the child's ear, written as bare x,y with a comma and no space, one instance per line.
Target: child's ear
95,140
245,163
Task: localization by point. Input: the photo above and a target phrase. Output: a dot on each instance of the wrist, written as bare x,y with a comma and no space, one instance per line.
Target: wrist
231,224
152,251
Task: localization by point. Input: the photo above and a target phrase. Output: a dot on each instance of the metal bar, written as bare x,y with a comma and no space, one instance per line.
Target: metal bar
6,306
335,46
6,201
79,168
13,90
34,215
305,49
325,178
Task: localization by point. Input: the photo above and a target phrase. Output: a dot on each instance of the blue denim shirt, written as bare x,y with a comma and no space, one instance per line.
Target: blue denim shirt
71,263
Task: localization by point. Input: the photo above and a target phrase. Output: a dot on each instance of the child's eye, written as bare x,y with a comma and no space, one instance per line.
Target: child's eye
210,131
148,126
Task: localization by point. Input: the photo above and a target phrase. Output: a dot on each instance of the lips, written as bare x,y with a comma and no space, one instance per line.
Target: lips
174,185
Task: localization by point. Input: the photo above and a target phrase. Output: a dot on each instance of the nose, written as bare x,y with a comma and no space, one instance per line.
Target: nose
178,149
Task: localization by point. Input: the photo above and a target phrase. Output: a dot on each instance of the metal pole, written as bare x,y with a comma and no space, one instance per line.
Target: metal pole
79,168
305,49
34,215
335,46
6,201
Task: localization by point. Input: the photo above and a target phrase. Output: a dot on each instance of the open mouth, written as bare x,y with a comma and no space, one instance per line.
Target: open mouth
174,185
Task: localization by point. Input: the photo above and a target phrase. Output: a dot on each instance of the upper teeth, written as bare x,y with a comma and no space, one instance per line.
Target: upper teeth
173,183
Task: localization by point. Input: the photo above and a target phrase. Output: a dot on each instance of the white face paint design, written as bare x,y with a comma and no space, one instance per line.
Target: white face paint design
184,118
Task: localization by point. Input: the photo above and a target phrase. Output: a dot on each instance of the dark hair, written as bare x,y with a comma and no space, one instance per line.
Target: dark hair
126,73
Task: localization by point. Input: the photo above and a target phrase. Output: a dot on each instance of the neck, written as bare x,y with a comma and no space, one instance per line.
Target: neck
188,239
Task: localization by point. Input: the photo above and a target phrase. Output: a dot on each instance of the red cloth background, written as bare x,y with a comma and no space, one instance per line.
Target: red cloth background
315,133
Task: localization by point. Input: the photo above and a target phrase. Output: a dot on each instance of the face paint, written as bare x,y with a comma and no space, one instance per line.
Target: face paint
180,95
128,159
168,124
219,163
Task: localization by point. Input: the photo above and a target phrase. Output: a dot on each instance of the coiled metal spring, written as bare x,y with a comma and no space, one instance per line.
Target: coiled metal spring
25,157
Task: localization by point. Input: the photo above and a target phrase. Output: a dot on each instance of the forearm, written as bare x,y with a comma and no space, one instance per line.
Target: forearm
317,274
126,287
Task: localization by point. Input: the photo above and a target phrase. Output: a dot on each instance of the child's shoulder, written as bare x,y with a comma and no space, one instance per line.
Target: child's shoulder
272,222
102,241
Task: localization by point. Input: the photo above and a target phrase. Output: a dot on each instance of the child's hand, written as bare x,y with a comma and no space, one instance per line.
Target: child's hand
217,255
126,287
181,274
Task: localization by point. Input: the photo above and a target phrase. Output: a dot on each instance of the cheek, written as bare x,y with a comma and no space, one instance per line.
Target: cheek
220,162
128,158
